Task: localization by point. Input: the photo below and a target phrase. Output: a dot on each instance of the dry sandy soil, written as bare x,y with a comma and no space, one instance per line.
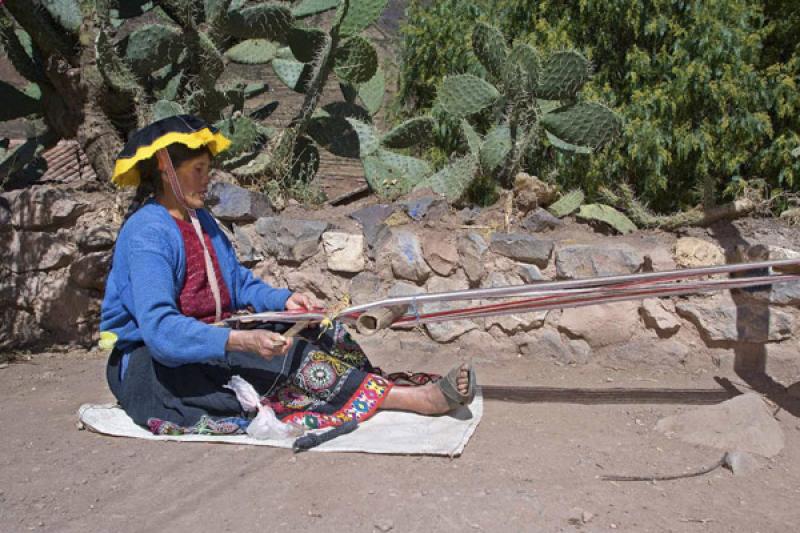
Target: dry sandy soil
529,467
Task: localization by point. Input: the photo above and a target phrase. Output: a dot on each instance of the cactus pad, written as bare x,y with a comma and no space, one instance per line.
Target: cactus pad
356,60
371,92
472,137
453,180
165,108
260,21
306,8
495,148
563,75
368,141
153,46
305,43
489,46
466,94
391,175
66,12
360,14
607,215
567,204
409,133
113,69
293,73
252,52
588,124
522,69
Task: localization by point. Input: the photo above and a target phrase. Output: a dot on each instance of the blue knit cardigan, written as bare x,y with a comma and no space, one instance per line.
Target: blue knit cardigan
147,275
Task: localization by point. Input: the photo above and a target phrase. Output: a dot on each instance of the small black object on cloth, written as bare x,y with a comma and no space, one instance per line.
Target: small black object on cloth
312,440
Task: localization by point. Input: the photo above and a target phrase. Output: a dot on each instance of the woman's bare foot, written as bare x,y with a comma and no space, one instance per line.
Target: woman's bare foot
427,399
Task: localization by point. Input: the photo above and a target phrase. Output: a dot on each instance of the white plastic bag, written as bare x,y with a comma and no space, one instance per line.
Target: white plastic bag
265,425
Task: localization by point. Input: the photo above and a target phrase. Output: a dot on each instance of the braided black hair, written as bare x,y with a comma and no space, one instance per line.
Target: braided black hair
150,183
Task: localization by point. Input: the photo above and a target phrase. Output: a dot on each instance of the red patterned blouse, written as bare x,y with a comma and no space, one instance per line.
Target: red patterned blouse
196,299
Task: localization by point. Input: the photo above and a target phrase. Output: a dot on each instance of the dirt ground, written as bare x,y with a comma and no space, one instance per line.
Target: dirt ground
529,466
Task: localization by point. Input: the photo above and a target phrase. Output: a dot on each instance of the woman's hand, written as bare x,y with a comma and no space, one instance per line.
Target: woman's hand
301,300
264,343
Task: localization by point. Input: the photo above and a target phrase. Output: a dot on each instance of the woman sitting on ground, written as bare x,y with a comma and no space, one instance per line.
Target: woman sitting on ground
175,273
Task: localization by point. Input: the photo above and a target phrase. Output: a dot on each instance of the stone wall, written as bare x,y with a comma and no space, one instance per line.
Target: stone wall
56,250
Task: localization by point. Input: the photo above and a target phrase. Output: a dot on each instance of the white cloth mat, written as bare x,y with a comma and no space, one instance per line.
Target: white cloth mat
387,432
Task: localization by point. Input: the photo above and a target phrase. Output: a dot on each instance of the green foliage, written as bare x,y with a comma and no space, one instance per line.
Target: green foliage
708,91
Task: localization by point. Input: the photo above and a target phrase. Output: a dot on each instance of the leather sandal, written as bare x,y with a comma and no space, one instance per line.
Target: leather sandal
449,386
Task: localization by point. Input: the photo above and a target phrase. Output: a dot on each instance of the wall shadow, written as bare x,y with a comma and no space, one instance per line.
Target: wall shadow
752,322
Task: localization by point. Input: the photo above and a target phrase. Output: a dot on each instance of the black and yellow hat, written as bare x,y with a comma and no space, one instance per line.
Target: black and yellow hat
144,143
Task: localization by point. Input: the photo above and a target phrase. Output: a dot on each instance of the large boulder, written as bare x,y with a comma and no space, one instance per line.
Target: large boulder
523,248
471,249
365,287
440,253
290,240
96,238
451,329
90,270
30,251
587,261
721,319
691,252
42,208
530,192
345,251
549,343
372,224
236,204
540,220
603,324
405,252
743,423
660,316
513,322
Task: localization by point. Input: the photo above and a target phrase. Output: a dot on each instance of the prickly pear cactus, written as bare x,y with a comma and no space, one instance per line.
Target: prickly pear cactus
465,94
252,52
587,124
489,47
453,180
606,215
567,204
410,133
563,75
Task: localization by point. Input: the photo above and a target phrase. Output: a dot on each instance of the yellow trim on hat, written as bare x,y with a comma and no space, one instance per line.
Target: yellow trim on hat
126,173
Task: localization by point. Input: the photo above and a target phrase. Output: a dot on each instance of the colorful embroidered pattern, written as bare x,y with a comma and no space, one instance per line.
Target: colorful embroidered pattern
362,405
206,426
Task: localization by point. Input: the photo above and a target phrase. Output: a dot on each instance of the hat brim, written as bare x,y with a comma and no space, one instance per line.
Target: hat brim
126,171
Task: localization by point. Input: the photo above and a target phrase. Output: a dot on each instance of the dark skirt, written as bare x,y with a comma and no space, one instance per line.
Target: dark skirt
324,380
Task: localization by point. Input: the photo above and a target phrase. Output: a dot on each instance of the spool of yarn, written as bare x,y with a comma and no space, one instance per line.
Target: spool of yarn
377,319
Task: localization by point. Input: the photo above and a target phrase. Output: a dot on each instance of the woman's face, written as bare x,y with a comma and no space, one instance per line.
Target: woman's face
193,178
